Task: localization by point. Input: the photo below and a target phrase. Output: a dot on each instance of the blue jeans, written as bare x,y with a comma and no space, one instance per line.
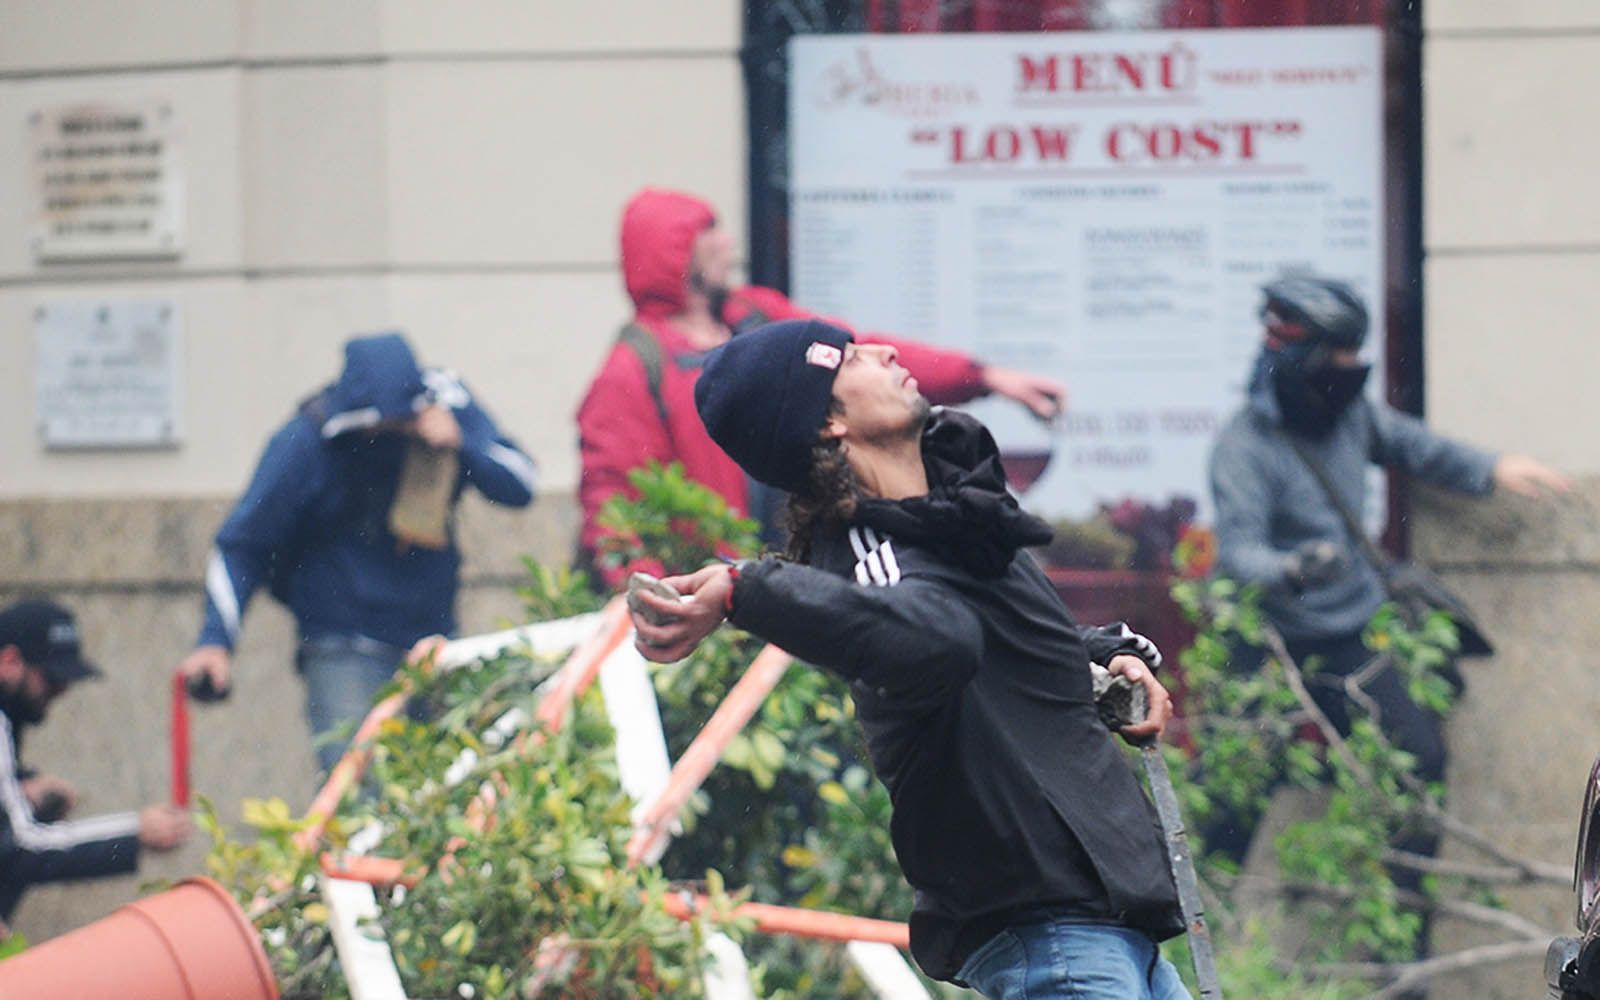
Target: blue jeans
1061,960
342,673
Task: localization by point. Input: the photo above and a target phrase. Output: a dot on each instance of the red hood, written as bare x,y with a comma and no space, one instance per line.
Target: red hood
658,233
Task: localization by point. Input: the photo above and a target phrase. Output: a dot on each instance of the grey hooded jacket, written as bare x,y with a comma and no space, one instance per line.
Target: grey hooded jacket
1268,502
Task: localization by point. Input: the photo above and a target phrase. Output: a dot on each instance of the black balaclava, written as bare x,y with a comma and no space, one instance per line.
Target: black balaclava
21,709
1307,320
1312,401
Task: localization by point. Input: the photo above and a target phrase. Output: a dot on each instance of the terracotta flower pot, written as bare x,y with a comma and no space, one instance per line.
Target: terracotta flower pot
191,942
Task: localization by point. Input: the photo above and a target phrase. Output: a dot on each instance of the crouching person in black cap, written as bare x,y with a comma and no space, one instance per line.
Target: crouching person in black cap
1037,861
40,660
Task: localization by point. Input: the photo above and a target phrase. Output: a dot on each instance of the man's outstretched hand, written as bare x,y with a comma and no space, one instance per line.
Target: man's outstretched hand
1044,397
1528,477
688,622
164,827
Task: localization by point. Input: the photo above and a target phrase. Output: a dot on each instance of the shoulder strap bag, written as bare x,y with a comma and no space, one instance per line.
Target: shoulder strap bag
1414,589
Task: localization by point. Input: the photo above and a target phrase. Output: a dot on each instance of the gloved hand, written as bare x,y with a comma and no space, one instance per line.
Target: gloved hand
1313,564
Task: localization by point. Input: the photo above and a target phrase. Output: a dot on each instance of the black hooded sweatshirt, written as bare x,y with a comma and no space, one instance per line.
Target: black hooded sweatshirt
1011,801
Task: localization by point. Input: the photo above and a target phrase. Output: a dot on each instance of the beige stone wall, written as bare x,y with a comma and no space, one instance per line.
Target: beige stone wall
1525,733
1512,224
1513,242
457,170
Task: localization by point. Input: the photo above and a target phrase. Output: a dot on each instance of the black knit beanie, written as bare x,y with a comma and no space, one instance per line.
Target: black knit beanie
764,395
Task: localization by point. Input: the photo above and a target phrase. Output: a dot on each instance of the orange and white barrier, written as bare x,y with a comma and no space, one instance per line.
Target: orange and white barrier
600,652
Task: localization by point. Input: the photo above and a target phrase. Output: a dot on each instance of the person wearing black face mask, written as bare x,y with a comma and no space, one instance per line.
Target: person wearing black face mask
1312,401
39,661
1278,528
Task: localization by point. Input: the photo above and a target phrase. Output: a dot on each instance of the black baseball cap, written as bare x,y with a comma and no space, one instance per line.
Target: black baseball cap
46,634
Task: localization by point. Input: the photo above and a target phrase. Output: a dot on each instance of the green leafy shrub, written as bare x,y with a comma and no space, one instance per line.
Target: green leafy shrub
548,863
791,816
673,524
1337,869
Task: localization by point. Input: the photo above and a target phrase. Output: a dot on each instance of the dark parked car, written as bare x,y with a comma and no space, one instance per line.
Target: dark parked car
1572,964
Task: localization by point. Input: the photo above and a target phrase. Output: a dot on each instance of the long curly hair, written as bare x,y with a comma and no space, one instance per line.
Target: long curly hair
831,499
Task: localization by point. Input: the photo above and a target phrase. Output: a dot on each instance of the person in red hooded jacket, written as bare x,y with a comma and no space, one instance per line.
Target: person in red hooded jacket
678,267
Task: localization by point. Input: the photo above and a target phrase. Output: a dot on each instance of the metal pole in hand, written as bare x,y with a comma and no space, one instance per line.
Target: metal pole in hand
180,740
1183,873
1122,703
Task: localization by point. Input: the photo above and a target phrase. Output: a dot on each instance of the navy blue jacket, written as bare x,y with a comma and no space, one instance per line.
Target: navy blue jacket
313,524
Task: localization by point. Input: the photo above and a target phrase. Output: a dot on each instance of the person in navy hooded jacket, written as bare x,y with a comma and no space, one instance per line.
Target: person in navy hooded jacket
349,520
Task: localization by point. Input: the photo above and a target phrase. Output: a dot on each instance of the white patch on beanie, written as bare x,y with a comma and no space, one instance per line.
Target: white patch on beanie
824,355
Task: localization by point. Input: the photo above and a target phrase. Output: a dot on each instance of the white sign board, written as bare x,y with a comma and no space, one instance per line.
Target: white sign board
107,182
1102,207
108,374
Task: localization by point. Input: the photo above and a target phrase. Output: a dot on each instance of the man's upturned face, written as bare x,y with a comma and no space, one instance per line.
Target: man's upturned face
877,399
711,261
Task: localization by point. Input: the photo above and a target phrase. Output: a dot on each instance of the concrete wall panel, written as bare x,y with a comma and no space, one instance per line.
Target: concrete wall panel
42,35
1495,375
251,350
311,29
530,163
1509,147
557,26
1521,746
1497,15
314,167
527,345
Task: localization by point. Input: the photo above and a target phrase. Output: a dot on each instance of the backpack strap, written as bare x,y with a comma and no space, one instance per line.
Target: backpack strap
1380,560
648,350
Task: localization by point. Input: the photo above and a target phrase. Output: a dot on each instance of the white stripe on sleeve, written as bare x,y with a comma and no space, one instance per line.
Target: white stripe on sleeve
514,462
890,563
219,587
1147,649
884,553
29,833
861,556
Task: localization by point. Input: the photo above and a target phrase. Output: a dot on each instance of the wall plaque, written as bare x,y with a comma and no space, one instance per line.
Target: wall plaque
107,181
108,374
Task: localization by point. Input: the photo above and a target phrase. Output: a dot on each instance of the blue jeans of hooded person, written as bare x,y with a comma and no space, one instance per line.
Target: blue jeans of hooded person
1064,960
343,673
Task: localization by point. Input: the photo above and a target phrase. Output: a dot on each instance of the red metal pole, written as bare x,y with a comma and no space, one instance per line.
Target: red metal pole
180,740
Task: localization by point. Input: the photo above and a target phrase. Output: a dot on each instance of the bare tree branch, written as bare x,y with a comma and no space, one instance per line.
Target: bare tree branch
1486,916
1297,684
1535,870
1355,690
1408,975
1500,874
1477,913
